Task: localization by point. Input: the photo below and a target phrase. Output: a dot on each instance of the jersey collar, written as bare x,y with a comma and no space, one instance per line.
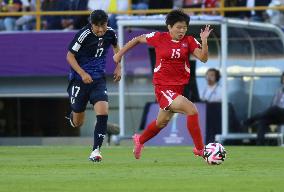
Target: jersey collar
172,40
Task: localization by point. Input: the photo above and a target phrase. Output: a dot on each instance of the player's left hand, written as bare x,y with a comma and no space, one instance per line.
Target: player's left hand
204,34
117,73
117,58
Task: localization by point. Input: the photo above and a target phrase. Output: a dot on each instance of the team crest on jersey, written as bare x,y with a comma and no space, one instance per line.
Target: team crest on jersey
184,45
101,42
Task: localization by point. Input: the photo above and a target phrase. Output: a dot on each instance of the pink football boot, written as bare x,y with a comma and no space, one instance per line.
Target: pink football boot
198,152
137,146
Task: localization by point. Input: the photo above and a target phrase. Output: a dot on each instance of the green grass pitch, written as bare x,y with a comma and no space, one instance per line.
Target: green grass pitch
161,169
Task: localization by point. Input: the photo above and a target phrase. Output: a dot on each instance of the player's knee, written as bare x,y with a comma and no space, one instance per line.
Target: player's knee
76,119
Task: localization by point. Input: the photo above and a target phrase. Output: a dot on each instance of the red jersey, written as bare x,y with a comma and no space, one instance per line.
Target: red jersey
172,58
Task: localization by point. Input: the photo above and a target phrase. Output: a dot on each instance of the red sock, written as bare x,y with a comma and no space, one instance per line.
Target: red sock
149,132
194,130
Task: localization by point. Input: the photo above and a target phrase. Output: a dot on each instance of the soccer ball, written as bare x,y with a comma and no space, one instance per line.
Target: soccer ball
214,153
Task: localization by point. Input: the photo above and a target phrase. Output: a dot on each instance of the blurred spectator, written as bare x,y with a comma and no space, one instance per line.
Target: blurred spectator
212,91
231,3
9,22
258,15
272,115
109,6
27,22
120,5
2,28
192,3
276,17
1,18
97,4
199,4
161,4
211,4
178,4
212,95
75,22
237,14
248,15
253,15
51,22
140,4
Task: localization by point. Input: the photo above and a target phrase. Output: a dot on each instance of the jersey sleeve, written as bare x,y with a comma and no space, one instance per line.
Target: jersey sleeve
114,38
153,38
193,44
78,41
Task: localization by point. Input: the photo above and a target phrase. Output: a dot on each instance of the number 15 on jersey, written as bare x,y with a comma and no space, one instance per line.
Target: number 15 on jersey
175,53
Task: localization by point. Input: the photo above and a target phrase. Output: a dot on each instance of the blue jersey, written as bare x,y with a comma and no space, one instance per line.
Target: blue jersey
90,51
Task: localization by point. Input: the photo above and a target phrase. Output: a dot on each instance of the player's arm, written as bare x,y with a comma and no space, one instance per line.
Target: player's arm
202,53
129,45
70,57
117,71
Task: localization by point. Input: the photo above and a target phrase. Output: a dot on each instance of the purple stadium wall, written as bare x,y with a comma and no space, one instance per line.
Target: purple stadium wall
44,53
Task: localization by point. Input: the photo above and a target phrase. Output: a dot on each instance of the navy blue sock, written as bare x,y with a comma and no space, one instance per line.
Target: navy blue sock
100,131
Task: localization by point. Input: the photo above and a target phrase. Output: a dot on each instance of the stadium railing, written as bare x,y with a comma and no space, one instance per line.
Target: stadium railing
243,136
276,132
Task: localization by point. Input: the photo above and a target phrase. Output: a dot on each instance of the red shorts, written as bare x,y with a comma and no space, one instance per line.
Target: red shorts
165,94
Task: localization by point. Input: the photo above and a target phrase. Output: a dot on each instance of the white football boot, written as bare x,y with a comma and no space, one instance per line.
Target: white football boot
96,156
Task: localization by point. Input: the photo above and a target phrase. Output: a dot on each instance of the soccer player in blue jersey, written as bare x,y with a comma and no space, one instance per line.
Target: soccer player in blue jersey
87,57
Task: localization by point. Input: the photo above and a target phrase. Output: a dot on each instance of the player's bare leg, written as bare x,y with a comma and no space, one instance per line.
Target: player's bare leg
164,118
151,131
183,105
101,110
76,120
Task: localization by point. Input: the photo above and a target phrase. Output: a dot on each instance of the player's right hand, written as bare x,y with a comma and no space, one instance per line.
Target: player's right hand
86,78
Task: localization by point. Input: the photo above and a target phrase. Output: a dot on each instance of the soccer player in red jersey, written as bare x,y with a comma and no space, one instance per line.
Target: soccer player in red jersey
171,73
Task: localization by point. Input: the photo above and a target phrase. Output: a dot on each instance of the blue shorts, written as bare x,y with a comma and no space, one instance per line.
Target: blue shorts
80,93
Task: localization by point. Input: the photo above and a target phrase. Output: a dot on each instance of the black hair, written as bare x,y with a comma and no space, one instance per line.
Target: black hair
98,17
177,16
281,80
217,73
